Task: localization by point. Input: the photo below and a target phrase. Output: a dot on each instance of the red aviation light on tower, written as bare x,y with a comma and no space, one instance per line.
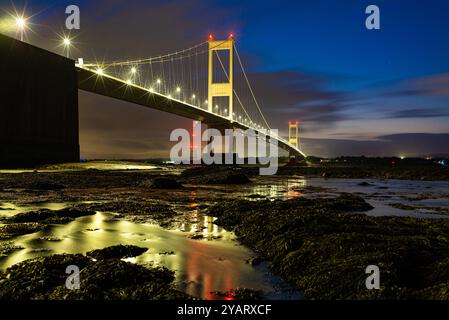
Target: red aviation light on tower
231,36
211,37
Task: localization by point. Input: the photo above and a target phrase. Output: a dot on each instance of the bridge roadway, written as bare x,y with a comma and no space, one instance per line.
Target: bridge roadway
91,81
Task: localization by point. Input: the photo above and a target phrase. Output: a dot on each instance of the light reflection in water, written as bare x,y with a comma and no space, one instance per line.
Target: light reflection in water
275,188
201,266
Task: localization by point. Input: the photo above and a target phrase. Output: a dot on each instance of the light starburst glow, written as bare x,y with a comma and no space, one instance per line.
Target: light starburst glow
20,23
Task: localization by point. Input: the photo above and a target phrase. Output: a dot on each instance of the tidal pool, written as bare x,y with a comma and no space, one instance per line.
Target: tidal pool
202,267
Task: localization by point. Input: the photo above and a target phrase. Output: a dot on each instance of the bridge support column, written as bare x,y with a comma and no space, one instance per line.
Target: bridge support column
293,137
39,105
221,89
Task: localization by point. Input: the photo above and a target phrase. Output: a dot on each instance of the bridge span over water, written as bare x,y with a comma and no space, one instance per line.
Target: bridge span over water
206,82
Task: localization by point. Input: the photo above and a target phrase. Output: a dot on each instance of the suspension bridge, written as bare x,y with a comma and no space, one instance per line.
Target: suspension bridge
206,82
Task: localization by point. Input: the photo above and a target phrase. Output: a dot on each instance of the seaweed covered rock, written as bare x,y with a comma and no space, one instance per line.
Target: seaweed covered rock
8,247
45,185
112,279
218,175
51,216
120,280
165,183
116,252
138,211
34,278
387,170
233,178
12,230
322,248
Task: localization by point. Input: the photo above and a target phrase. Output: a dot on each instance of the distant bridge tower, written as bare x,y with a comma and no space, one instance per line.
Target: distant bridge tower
293,138
225,88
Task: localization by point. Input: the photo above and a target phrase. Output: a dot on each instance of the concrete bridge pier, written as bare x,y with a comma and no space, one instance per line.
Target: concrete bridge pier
38,106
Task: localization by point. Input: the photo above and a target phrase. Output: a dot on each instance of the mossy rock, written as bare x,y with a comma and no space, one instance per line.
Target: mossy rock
165,183
111,279
116,252
323,246
51,216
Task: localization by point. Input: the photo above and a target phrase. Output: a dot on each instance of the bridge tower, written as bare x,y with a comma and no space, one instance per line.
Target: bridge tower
225,88
293,138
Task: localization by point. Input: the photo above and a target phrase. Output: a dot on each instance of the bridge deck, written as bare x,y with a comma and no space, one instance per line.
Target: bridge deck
106,85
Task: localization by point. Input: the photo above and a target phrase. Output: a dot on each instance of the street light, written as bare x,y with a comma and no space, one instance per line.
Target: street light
21,25
67,42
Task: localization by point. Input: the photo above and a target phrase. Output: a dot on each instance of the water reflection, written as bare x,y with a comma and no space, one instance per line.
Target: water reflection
99,165
201,266
205,226
421,196
204,266
275,187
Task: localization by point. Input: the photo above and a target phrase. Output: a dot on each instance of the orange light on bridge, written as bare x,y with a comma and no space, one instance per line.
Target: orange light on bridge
231,35
211,37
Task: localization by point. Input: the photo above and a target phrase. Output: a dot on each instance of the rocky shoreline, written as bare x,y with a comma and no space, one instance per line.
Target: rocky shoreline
322,248
409,172
319,245
106,277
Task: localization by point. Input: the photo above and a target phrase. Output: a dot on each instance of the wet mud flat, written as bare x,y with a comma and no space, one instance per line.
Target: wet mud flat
318,235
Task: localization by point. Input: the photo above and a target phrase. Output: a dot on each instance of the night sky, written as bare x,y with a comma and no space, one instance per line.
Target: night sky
355,91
